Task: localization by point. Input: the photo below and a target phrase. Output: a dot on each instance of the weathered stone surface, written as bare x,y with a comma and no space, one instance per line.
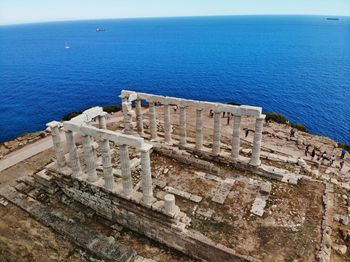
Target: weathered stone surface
97,244
341,249
183,194
344,219
223,190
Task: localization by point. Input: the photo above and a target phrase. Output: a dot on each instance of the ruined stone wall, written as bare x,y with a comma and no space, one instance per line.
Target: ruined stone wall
142,219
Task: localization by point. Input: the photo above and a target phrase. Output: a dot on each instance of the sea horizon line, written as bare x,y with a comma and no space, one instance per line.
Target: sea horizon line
164,17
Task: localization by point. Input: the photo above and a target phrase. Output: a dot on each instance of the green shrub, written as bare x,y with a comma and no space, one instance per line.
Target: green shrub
111,108
345,146
108,109
301,127
275,117
69,116
233,104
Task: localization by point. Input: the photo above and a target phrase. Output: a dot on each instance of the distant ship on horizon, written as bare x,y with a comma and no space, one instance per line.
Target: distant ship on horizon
332,18
66,46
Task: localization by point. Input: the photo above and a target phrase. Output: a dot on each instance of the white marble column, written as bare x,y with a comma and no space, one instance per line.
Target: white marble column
73,154
127,117
57,144
167,124
107,164
169,204
139,117
153,120
125,167
199,129
106,154
89,158
217,133
102,120
146,176
235,136
183,127
255,160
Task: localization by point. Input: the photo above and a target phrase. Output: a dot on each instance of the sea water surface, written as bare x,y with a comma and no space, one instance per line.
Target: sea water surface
295,65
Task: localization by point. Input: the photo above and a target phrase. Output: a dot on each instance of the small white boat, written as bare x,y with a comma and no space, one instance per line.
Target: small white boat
66,46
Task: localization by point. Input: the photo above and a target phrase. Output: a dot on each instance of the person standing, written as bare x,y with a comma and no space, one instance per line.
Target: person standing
292,132
332,160
341,164
307,149
343,153
313,153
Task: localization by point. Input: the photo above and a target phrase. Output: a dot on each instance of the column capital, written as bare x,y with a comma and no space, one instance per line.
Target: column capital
54,124
261,117
146,147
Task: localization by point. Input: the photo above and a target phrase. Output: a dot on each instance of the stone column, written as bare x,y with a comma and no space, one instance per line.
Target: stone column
183,131
199,129
167,124
169,204
152,120
106,154
102,121
73,154
235,136
125,167
255,160
139,117
57,145
126,106
107,164
217,133
146,176
89,158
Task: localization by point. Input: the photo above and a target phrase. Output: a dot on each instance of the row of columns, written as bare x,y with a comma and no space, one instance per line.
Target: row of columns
90,160
255,157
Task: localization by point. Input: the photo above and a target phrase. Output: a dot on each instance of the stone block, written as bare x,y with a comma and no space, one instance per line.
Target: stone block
265,188
222,191
344,219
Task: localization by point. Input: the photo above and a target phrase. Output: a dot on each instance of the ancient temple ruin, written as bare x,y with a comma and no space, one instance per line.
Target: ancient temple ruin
179,186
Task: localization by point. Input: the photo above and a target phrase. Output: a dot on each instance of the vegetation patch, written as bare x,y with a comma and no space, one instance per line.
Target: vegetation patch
107,108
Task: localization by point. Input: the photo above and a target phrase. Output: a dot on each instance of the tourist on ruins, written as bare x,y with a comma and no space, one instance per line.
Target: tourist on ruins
343,153
246,132
223,114
341,164
332,160
175,108
313,153
228,119
292,132
307,149
324,156
211,113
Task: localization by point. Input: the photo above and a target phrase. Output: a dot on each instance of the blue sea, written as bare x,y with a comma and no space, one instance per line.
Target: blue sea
295,65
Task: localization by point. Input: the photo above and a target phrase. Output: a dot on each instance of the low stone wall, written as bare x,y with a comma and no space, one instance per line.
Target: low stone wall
146,220
205,160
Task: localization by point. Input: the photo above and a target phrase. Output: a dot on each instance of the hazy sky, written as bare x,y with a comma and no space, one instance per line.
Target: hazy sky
25,11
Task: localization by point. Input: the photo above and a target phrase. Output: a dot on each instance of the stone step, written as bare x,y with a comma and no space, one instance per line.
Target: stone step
101,246
223,190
